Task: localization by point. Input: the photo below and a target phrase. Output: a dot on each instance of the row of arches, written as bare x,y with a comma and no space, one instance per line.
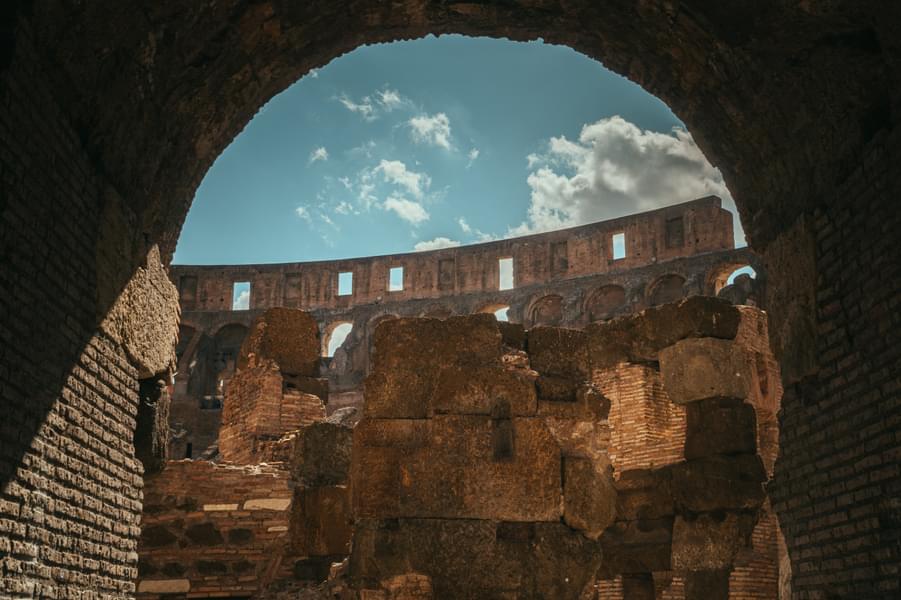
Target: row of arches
605,302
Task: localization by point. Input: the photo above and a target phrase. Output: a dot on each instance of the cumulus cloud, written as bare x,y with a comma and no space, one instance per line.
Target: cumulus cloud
435,244
432,130
473,155
614,169
408,210
314,73
396,172
303,213
318,154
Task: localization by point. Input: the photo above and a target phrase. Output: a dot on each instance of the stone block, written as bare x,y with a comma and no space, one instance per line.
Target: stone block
408,354
278,504
720,426
164,586
589,497
704,368
710,541
718,483
454,471
513,335
322,453
644,494
287,336
639,338
558,351
642,546
321,521
478,390
466,558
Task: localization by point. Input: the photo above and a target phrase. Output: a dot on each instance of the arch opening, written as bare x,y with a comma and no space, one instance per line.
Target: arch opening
335,337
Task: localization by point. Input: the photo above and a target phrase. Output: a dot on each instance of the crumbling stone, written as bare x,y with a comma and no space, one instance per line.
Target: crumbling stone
704,368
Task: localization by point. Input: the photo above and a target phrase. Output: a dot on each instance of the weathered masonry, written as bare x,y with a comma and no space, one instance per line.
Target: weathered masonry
113,111
491,461
563,278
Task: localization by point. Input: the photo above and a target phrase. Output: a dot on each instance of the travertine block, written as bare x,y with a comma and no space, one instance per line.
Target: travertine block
703,368
719,483
720,426
708,542
589,497
477,390
287,336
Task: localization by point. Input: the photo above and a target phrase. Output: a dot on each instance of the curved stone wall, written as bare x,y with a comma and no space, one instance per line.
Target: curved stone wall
562,278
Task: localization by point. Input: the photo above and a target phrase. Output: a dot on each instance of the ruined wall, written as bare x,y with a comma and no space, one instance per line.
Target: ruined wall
213,528
504,441
562,298
114,111
676,231
275,388
276,514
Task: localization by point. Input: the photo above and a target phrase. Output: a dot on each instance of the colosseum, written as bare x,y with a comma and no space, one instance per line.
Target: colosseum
624,434
567,278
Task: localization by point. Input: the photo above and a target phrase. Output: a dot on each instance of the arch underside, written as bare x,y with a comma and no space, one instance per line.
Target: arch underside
113,113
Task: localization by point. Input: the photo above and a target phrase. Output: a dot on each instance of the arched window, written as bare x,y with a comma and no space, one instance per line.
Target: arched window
498,310
604,301
547,311
336,336
727,274
667,288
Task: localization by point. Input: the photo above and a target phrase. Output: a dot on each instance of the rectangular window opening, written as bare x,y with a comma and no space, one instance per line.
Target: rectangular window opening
505,271
395,279
345,283
241,295
619,245
675,233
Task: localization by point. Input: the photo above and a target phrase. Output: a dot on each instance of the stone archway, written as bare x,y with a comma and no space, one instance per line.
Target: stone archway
113,112
546,311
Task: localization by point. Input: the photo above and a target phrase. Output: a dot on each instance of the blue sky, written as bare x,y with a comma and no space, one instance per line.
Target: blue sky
438,142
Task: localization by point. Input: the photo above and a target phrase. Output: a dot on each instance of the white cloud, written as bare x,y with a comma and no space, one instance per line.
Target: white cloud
314,73
370,107
396,172
344,208
364,108
615,169
478,234
303,213
408,210
434,130
319,153
435,244
242,301
391,99
473,155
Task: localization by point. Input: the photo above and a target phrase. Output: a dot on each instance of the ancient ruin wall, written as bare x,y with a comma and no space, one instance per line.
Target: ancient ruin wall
504,441
681,230
275,513
108,126
665,271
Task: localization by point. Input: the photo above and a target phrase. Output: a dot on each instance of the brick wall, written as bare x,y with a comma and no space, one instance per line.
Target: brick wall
837,487
213,530
71,485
